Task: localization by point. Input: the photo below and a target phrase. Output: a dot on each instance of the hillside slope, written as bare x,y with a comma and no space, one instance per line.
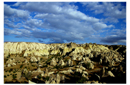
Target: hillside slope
26,62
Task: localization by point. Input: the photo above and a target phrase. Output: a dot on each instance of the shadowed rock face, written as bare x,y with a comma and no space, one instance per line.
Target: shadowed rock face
64,63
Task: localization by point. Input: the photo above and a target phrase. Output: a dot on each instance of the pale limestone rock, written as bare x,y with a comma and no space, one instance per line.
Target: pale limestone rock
110,74
35,77
26,53
53,82
13,64
58,78
8,65
46,82
63,78
86,59
38,71
96,82
30,82
19,47
97,76
70,62
78,70
65,50
53,52
61,63
53,62
57,60
117,60
69,70
33,59
91,66
100,61
46,72
99,48
79,58
66,71
79,49
42,74
74,57
85,72
49,73
113,62
81,67
103,71
26,61
85,76
91,55
10,62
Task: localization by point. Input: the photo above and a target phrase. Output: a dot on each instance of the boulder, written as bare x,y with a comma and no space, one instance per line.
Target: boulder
111,74
33,59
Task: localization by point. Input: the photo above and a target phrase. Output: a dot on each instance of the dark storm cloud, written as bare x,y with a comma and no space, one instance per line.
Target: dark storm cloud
114,39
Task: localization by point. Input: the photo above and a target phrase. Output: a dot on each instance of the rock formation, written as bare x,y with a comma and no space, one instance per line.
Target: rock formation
35,63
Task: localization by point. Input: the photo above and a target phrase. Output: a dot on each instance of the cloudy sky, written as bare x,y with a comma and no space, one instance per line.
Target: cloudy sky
64,22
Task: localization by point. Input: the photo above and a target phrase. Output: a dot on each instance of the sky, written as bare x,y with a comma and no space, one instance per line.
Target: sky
65,22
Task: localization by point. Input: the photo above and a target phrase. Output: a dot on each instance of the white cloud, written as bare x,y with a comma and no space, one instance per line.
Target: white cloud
110,19
8,11
41,15
54,21
113,11
9,31
116,36
17,4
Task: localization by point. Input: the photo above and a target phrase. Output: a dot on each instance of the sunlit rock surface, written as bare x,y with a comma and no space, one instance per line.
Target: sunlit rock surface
36,63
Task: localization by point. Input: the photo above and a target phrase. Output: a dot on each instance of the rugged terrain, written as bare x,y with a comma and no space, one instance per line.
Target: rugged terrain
26,62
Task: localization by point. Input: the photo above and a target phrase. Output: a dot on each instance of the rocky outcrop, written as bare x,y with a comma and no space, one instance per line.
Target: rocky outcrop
33,59
110,74
55,79
53,62
10,62
28,48
68,62
66,71
81,50
61,63
53,52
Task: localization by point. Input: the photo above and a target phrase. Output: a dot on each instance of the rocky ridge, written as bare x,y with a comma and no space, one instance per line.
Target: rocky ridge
26,62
